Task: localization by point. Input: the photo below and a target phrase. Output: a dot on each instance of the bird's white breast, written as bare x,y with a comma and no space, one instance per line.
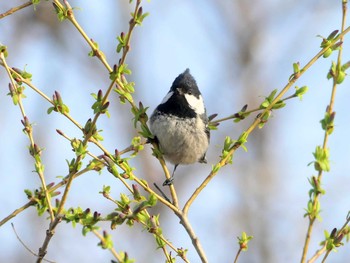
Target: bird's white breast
182,141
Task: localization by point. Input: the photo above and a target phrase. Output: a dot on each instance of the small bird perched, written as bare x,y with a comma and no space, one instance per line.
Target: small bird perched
180,124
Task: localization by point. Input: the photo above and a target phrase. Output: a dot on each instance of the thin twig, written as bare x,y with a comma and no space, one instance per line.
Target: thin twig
49,234
31,139
159,198
43,95
15,9
17,211
71,17
161,192
237,255
326,134
171,186
324,247
167,255
33,202
258,120
207,180
74,170
325,256
317,254
25,246
112,249
247,112
195,241
158,235
56,187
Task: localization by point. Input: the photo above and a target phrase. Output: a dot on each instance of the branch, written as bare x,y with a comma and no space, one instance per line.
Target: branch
195,241
259,119
69,14
237,255
25,246
64,181
49,234
35,151
212,174
17,211
112,250
317,254
338,236
329,111
15,9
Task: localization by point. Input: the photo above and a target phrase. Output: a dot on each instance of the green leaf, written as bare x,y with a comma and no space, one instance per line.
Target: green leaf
28,193
327,41
265,104
299,92
100,106
3,49
340,77
125,258
35,2
228,143
140,16
137,145
49,110
278,105
60,11
58,106
243,138
264,118
243,241
328,122
26,75
123,69
272,95
129,87
122,41
296,68
107,189
332,35
145,132
321,162
268,100
215,168
152,200
160,242
327,53
332,70
345,66
122,95
106,242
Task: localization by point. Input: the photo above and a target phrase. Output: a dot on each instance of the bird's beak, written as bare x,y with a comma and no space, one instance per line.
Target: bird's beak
179,91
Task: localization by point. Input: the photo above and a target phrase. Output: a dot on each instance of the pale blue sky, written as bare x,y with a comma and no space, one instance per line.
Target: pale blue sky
179,35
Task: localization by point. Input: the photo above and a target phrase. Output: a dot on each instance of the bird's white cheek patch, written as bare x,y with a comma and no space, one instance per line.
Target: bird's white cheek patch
167,97
196,104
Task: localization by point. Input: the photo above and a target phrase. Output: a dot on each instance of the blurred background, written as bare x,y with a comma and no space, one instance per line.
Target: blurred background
238,51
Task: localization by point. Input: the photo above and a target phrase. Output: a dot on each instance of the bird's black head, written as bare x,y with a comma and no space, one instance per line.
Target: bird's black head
185,84
184,98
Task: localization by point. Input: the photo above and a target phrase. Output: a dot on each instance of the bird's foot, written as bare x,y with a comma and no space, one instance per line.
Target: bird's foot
169,181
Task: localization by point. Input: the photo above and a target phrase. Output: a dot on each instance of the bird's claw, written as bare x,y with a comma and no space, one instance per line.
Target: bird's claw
168,182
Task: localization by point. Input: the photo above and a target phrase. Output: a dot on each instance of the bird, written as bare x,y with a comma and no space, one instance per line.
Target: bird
180,124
